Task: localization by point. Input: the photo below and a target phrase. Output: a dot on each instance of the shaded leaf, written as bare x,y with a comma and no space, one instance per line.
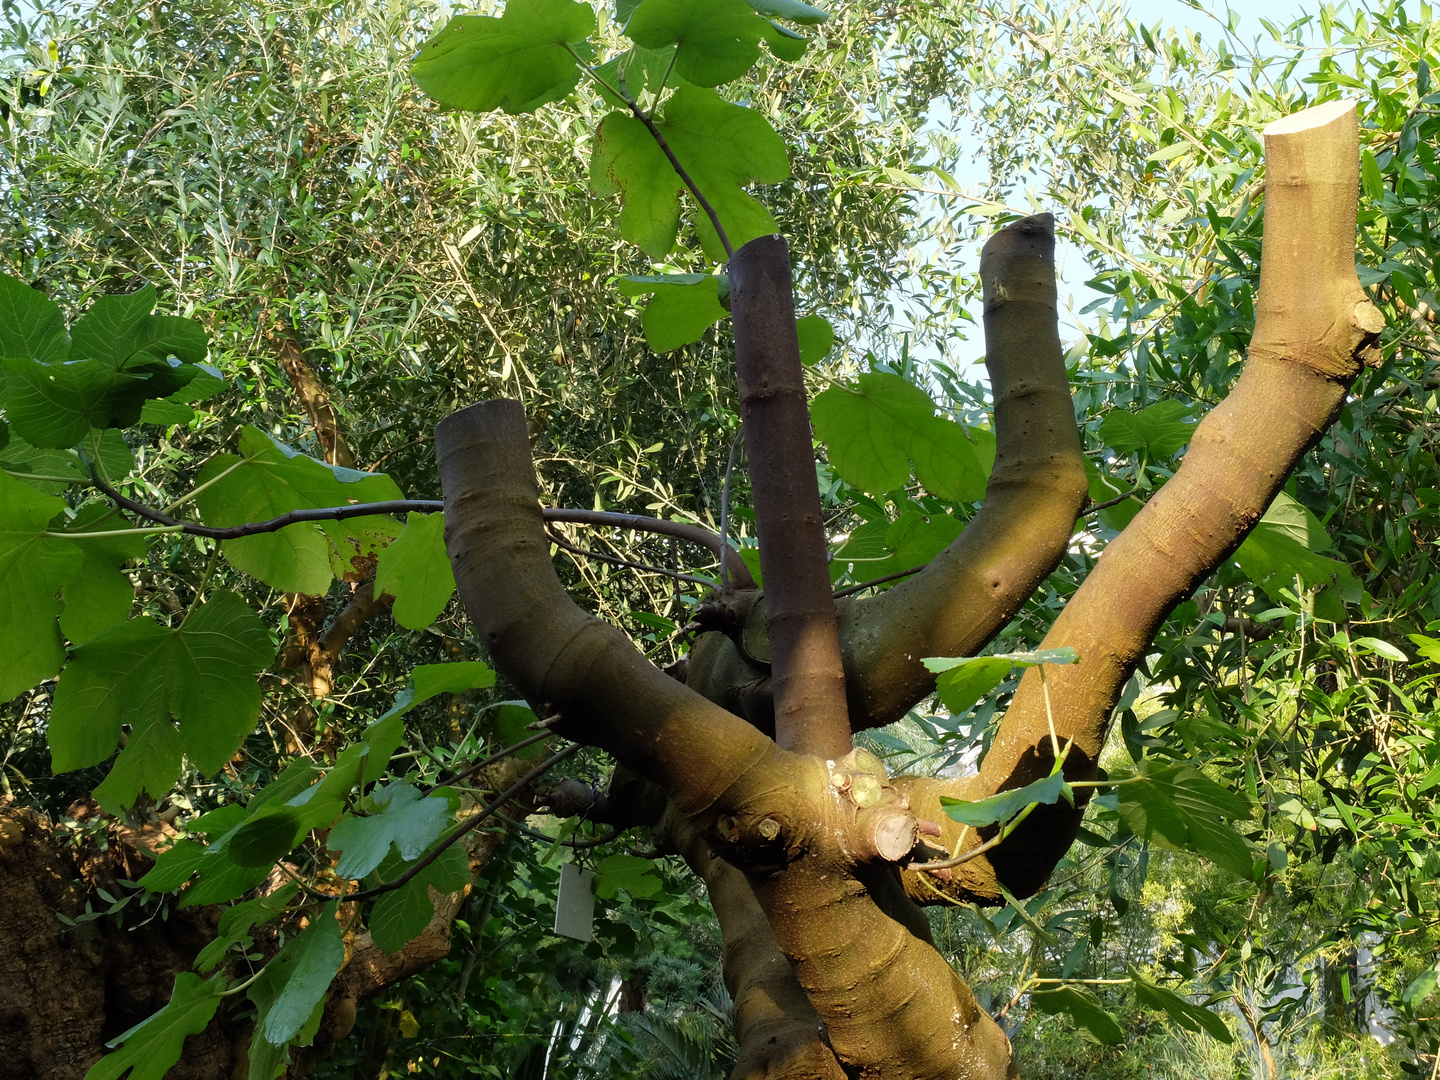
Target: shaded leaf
270,479
415,569
1083,1008
400,916
201,673
875,431
1187,1014
152,1046
1160,429
33,568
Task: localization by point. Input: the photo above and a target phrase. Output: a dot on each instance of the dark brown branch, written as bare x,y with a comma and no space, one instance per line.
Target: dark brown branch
684,530
807,676
1095,508
697,534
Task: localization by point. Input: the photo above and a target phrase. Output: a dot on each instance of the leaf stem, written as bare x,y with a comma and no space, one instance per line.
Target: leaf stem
1050,718
644,117
204,580
198,489
167,530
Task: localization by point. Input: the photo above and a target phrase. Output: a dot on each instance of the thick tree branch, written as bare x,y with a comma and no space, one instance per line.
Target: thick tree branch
975,586
1314,330
819,837
807,676
561,658
775,1024
971,590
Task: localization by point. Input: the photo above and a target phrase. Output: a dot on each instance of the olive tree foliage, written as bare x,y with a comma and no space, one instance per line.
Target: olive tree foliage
282,183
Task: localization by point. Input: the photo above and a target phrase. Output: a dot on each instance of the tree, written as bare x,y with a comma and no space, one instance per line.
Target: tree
807,845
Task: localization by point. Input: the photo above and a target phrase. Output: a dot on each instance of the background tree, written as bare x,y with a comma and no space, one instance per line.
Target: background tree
893,513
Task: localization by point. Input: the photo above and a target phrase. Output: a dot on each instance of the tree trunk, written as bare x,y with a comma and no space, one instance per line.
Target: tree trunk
819,834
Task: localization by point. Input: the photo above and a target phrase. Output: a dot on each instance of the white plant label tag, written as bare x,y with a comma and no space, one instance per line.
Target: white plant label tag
575,903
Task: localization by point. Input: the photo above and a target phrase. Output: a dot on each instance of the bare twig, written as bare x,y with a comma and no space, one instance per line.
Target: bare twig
464,827
684,530
1097,507
615,560
735,445
879,581
471,770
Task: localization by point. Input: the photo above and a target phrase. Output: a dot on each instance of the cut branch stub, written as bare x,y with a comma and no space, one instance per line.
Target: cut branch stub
1314,331
808,678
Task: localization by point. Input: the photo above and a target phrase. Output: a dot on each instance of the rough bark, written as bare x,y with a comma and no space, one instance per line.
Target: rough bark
807,677
314,398
775,1025
1314,331
67,990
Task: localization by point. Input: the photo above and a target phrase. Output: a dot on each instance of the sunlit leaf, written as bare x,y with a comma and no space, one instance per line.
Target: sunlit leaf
516,62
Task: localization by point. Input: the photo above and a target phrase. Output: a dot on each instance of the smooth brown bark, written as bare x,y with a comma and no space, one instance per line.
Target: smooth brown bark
1315,329
972,589
807,676
818,839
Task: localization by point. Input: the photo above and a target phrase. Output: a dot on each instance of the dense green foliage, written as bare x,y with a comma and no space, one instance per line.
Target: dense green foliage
277,178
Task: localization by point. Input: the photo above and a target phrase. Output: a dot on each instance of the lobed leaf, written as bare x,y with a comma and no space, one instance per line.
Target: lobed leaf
33,568
721,146
269,479
201,673
415,570
715,40
152,1046
877,429
516,62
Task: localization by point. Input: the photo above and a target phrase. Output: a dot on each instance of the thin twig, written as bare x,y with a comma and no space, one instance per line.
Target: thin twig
685,530
254,528
471,770
1097,507
879,581
615,560
578,845
464,827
